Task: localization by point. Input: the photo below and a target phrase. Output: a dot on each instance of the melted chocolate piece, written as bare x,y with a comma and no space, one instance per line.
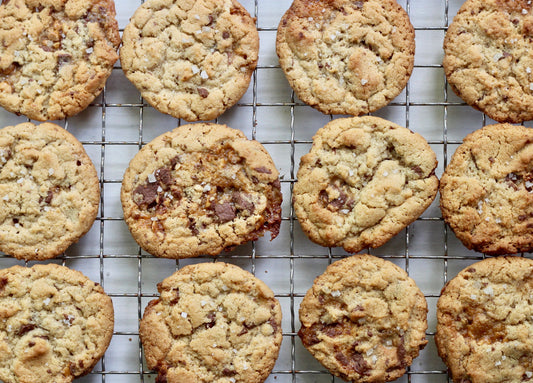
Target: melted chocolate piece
225,212
3,283
145,194
241,202
262,169
203,92
25,328
164,176
353,361
212,320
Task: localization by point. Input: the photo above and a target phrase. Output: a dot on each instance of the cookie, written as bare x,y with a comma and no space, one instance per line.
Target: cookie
200,189
488,59
484,320
56,55
344,56
55,324
362,182
213,322
487,190
49,191
364,319
190,59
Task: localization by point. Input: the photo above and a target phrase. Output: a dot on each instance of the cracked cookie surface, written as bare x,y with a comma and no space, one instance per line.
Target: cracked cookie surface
346,57
213,322
200,189
488,57
487,190
364,319
485,322
55,324
49,191
362,182
190,59
56,55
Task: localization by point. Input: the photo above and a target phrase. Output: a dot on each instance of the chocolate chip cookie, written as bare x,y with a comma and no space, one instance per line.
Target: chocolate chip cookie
56,55
364,319
485,315
488,59
487,190
192,60
214,322
55,324
49,191
344,56
362,182
200,189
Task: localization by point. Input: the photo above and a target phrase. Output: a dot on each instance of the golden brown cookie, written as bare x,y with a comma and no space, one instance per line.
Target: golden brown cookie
485,317
55,324
346,57
56,55
487,190
214,322
364,319
363,181
49,191
488,58
190,59
200,189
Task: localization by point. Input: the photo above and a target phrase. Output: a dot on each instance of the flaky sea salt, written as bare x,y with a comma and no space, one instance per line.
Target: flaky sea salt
204,75
364,81
184,314
336,293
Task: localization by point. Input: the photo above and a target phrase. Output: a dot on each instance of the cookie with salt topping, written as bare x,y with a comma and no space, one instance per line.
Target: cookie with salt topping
363,181
213,322
55,324
488,57
192,60
484,317
487,190
49,191
364,319
346,57
56,55
200,189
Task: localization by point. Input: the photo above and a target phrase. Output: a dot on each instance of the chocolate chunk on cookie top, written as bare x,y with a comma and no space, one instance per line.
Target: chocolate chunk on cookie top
200,189
488,57
49,191
56,55
213,323
55,324
190,59
487,190
484,322
362,182
364,319
345,56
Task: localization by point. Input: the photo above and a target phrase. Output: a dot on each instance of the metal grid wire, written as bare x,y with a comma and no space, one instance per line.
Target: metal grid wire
427,250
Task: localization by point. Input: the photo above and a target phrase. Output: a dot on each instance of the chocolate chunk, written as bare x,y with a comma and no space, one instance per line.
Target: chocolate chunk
176,296
3,283
78,163
192,226
225,212
46,48
225,34
63,58
243,331
491,160
353,361
10,69
334,330
471,270
358,4
308,335
228,372
164,175
273,323
212,320
418,170
339,202
241,202
49,197
522,217
262,169
203,92
400,351
174,161
25,328
31,343
145,194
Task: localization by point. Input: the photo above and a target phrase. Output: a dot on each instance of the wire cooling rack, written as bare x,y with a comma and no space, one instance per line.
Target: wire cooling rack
118,123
